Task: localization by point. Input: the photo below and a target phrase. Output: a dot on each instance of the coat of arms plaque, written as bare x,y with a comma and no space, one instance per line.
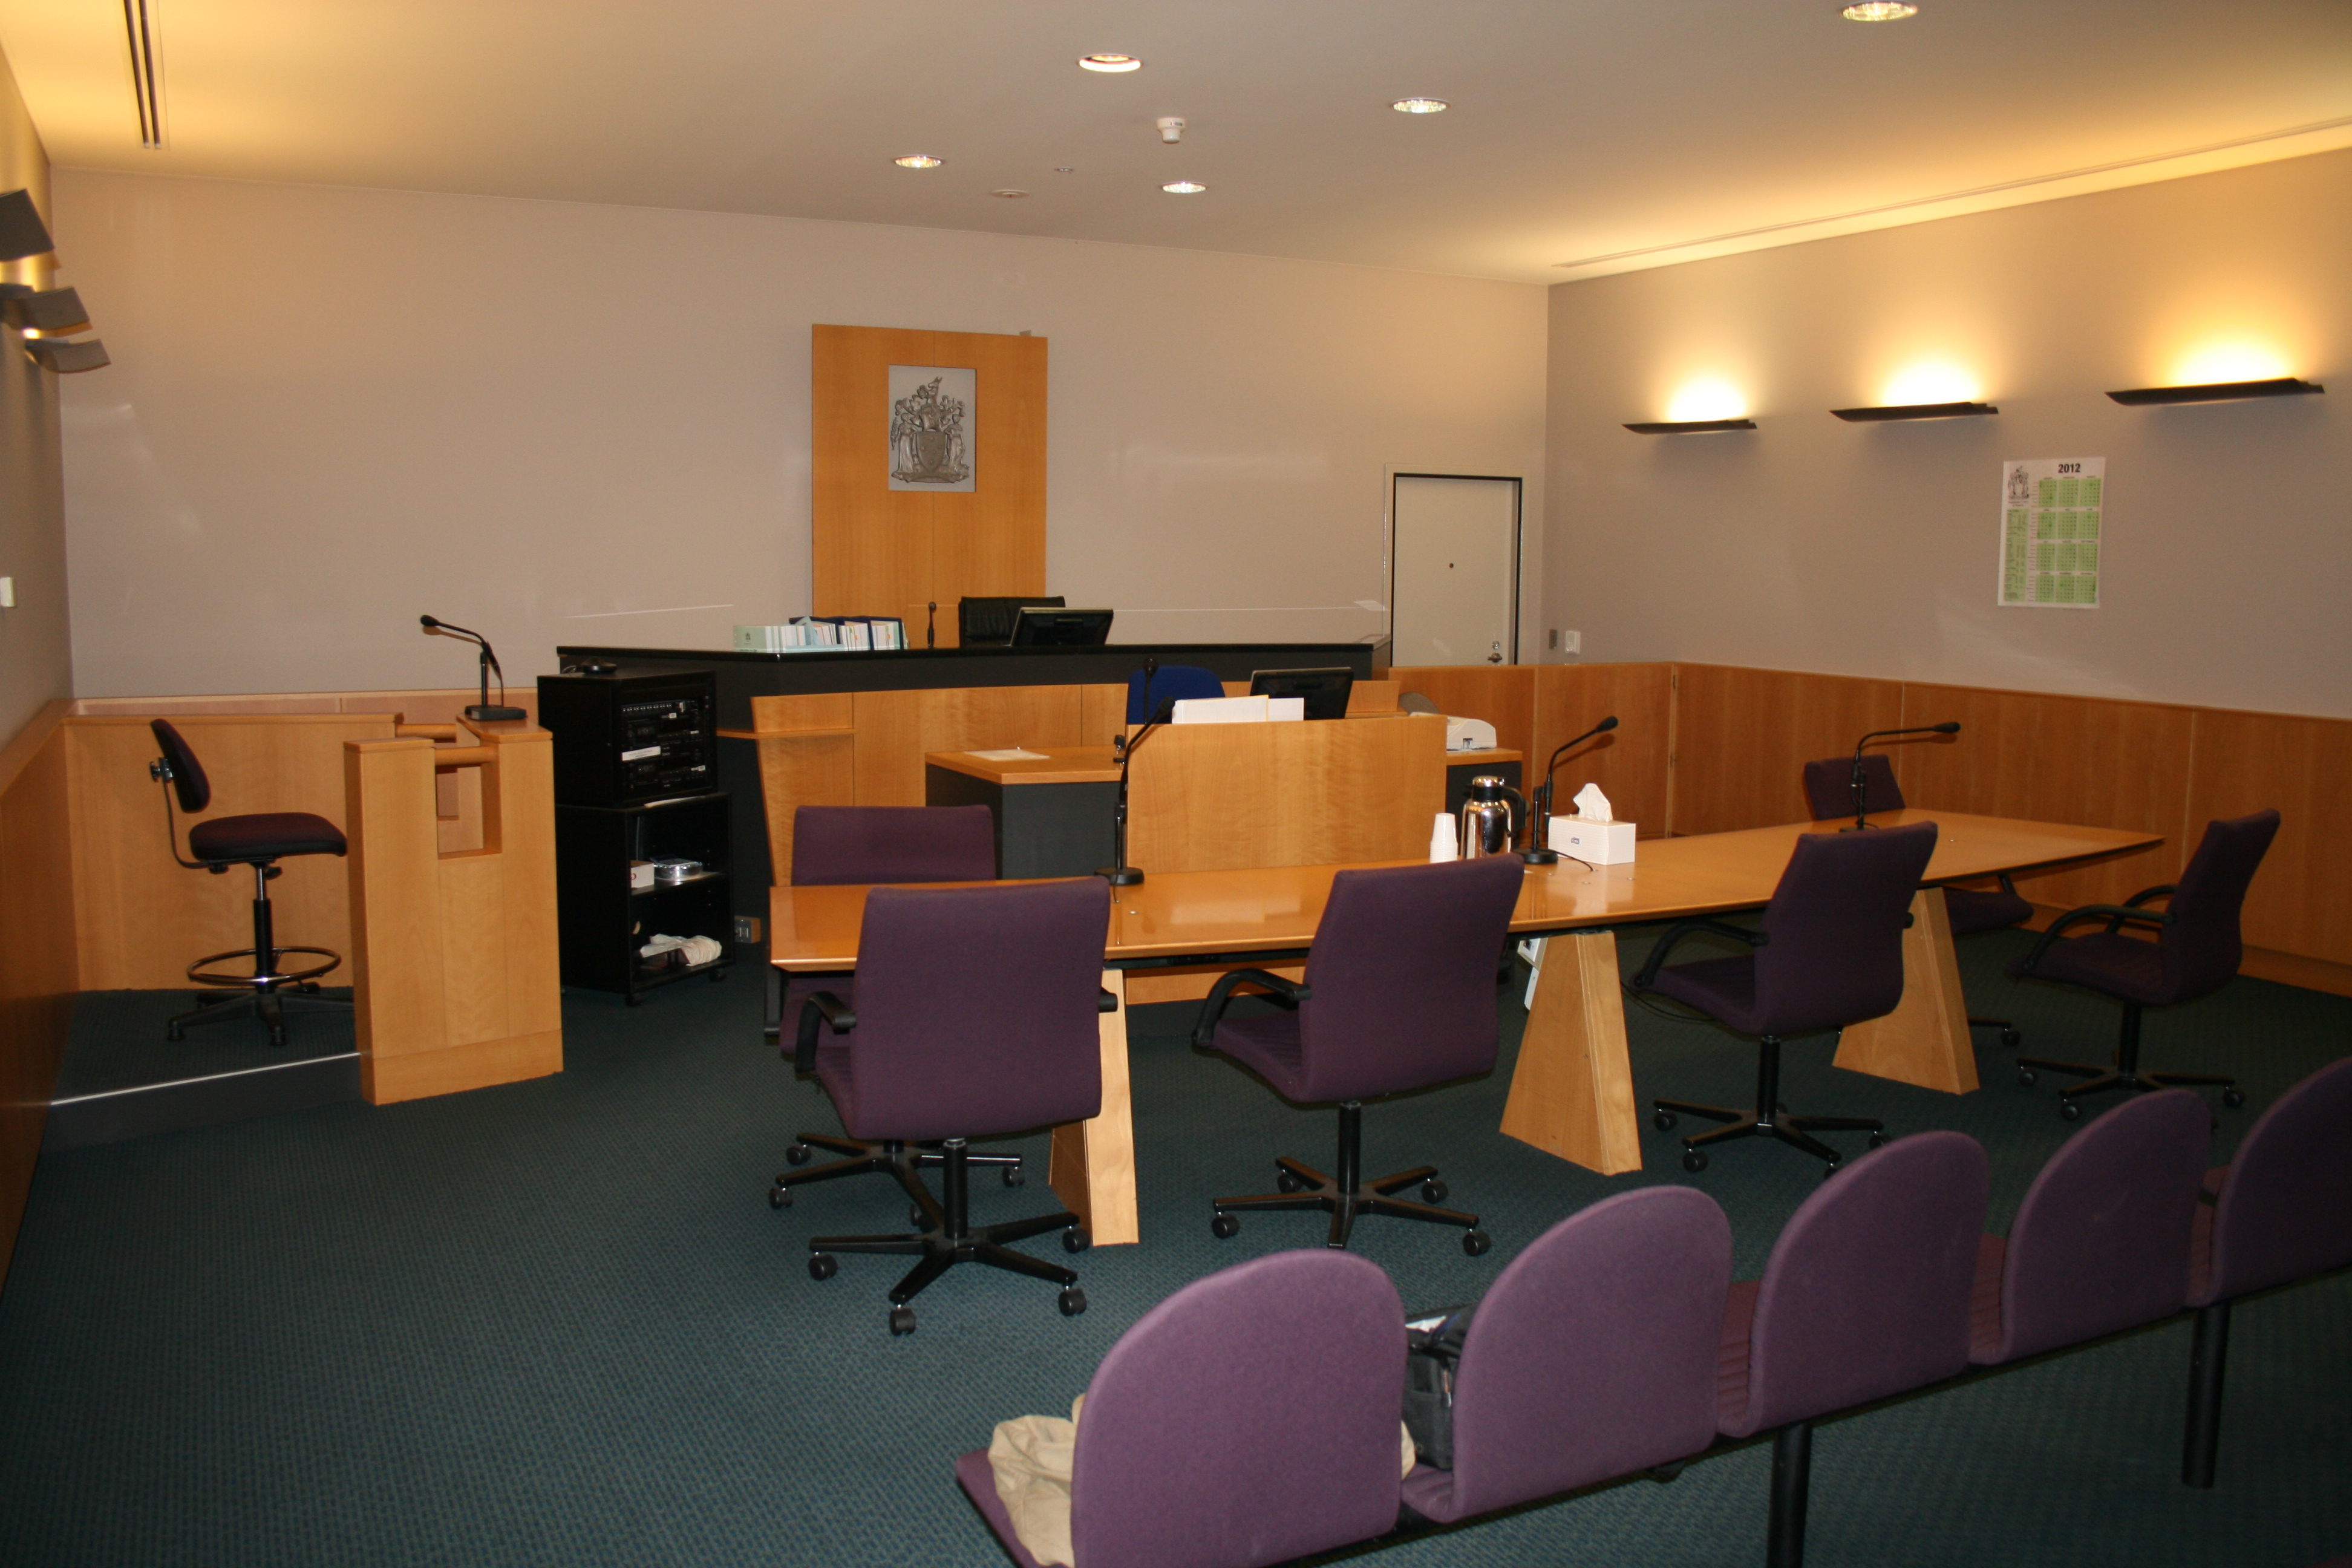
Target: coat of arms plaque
932,427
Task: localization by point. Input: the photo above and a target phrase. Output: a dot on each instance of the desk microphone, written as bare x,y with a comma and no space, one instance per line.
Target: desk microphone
1861,788
1123,875
485,709
1539,806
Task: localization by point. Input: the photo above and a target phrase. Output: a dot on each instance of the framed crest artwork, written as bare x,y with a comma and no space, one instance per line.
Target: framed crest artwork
934,428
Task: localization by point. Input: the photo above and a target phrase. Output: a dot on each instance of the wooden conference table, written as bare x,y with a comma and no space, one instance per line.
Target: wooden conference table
1572,1091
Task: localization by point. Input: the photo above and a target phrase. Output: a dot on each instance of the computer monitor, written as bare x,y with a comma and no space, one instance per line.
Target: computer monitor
1039,625
981,621
1326,691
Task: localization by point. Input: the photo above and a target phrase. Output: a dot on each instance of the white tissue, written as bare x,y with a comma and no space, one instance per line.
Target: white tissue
1592,805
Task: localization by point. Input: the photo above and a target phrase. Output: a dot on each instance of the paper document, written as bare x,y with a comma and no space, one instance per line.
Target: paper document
1008,755
2051,524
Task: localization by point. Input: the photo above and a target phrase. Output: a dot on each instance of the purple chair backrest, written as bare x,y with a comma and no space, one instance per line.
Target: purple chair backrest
2284,1211
1170,683
2202,947
1249,1418
1829,786
1593,1354
2101,1243
976,1008
188,780
1836,921
1402,972
833,845
1867,1292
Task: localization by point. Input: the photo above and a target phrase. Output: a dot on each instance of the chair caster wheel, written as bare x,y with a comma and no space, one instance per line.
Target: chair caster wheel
2011,1039
914,1215
1434,1191
637,1001
1830,1169
1285,1181
1664,1120
1476,1242
902,1321
2069,1111
798,1155
2234,1097
779,1196
1878,1140
1076,1239
1224,1227
173,1032
824,1265
1694,1160
717,975
2027,1078
1072,1301
1015,1176
277,1039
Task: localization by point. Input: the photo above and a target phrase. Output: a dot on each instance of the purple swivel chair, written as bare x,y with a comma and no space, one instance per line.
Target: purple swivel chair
834,846
1400,994
1865,1296
2280,1211
2196,951
976,1014
1829,953
1592,1357
1249,1418
2101,1243
1170,683
259,840
1829,794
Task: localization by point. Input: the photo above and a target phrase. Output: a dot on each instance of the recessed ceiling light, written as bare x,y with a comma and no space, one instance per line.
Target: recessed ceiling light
919,161
1183,187
1880,11
1419,106
1008,193
1110,62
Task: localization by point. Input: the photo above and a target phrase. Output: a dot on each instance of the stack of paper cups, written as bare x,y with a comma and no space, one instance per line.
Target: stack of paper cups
1444,843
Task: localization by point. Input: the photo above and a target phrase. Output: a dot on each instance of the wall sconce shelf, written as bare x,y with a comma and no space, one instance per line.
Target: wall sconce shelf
2215,391
1912,411
1689,426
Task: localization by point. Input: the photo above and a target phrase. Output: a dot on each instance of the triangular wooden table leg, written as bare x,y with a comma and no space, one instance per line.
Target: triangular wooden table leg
1925,1041
1573,1093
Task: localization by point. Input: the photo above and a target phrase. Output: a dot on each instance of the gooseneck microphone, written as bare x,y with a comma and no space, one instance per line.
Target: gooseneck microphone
485,709
1123,875
1538,853
1862,786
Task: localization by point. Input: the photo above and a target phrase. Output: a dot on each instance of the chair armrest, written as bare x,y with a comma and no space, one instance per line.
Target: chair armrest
1688,928
1105,1002
2008,883
836,1017
1287,992
2113,914
2147,893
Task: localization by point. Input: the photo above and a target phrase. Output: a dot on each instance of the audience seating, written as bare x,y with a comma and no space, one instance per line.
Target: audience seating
1829,953
2280,1211
1399,995
1829,794
2197,951
1250,1418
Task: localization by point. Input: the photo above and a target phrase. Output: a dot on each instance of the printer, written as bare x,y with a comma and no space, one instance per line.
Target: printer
1468,735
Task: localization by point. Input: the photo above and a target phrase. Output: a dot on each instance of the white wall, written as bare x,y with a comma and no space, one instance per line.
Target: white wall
1871,549
330,410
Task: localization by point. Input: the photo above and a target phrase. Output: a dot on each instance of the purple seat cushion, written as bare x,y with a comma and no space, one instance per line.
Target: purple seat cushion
1268,1045
2284,1210
2110,963
264,835
1972,909
977,1478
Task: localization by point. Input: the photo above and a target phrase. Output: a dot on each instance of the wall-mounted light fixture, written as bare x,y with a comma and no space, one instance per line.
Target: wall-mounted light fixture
1912,411
1689,426
22,232
52,313
66,355
2216,391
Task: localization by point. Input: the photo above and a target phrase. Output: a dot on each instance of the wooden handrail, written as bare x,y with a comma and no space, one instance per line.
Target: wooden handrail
425,731
464,757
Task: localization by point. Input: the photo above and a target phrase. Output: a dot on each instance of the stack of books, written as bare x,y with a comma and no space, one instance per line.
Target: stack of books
808,634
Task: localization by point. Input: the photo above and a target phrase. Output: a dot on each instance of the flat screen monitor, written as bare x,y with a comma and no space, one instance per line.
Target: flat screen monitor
1326,691
1042,626
981,621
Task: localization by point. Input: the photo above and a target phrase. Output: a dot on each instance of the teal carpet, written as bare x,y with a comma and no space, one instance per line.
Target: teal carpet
557,1323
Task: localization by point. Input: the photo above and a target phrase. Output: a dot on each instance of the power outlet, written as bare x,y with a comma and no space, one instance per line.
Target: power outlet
1567,642
8,593
747,930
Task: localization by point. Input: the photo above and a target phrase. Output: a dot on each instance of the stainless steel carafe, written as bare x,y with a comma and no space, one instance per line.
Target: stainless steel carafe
1489,821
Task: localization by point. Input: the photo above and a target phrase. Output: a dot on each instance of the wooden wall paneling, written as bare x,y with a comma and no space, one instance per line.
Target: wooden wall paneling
1742,738
141,918
1207,797
894,728
797,771
2301,899
991,541
2087,760
37,966
1102,714
1630,763
1925,1041
1501,694
871,545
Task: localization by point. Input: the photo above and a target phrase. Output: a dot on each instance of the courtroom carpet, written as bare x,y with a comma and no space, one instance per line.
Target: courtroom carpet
557,1323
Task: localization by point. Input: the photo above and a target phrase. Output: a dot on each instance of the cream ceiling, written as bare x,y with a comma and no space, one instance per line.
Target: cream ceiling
1614,133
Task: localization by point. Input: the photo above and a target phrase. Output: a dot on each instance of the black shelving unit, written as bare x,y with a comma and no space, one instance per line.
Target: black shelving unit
602,921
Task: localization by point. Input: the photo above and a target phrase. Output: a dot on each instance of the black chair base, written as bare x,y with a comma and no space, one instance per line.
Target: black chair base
1770,1119
1347,1196
2010,1036
2125,1076
218,1004
866,1158
948,1238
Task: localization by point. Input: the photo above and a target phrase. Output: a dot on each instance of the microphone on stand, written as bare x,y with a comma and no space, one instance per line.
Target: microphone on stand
1539,802
486,710
1123,875
1862,786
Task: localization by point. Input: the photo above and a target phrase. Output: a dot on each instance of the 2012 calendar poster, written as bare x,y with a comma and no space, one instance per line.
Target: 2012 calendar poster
2053,532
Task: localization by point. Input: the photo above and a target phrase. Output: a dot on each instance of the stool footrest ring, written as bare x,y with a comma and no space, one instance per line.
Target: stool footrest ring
263,982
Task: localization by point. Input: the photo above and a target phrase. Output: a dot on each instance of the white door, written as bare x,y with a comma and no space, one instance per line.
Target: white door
1454,571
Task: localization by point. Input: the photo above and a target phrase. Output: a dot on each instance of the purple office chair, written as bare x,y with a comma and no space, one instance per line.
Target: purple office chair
2280,1211
1592,1355
1170,683
259,840
1865,1296
2196,951
1400,994
1249,1418
976,1014
2101,1243
1829,794
839,844
1830,953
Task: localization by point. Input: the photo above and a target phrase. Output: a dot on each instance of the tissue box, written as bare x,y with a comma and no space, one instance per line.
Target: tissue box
1598,843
